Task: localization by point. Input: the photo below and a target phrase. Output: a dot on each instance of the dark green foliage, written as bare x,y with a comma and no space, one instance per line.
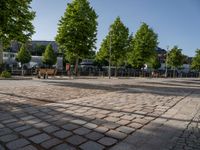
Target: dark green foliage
118,36
23,55
48,57
6,74
155,63
196,61
175,57
15,22
16,17
77,30
143,46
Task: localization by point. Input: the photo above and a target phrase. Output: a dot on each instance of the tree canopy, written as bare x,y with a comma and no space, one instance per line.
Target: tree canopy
23,55
48,57
16,22
143,46
118,39
175,57
196,61
77,30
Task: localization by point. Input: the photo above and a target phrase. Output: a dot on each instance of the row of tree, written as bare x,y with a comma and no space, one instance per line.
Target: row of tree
49,57
76,37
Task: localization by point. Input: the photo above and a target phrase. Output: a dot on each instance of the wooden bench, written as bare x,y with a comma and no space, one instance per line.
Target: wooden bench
46,72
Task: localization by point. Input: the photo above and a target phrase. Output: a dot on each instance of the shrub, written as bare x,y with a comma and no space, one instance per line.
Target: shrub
6,74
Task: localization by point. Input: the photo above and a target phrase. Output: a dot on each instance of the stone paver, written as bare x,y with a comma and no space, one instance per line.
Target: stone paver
100,114
50,143
63,146
106,141
91,145
62,134
8,137
19,143
40,138
76,140
29,132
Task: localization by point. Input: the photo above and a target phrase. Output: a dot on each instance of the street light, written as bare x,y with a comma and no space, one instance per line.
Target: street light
109,69
166,60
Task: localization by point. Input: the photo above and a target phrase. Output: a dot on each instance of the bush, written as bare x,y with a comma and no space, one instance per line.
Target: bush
5,74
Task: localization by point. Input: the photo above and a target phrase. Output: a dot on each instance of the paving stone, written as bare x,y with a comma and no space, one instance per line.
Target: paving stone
111,125
82,131
112,119
51,129
1,126
27,118
33,121
9,137
125,129
116,134
123,122
101,129
19,143
94,136
62,134
18,129
90,126
50,143
79,122
9,121
90,145
30,132
1,147
15,124
135,125
141,121
4,131
40,138
70,126
106,141
41,125
64,147
76,140
116,114
29,147
127,117
123,146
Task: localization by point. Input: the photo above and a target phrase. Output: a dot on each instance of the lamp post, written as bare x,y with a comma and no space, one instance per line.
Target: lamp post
166,60
109,69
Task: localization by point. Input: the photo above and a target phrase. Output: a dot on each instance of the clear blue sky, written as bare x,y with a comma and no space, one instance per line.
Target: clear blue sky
177,22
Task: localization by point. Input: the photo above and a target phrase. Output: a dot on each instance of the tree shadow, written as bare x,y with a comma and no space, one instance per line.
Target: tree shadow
15,116
145,87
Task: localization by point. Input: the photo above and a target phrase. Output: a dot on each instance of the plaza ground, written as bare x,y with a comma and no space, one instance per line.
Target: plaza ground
95,114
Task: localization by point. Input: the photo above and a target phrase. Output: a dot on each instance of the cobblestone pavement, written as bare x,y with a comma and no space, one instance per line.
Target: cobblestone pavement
123,114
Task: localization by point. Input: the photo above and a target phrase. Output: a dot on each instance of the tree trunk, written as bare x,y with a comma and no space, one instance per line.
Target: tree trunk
76,66
22,70
174,72
1,53
115,71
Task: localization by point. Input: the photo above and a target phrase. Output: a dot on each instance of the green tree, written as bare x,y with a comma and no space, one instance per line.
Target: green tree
48,57
117,39
77,30
15,22
196,61
175,58
23,56
143,46
155,63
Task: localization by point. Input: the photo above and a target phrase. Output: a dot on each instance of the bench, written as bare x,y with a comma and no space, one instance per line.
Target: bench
46,72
